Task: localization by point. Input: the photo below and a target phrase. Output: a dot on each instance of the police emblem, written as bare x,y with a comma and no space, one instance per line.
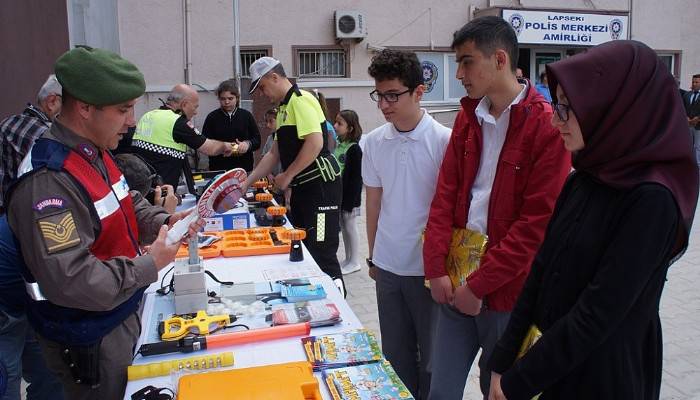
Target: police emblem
430,75
59,231
615,29
517,22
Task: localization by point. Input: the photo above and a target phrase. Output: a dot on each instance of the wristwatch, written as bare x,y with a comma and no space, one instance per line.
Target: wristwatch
370,264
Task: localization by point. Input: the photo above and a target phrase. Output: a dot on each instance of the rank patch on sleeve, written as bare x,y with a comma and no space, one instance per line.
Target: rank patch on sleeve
59,231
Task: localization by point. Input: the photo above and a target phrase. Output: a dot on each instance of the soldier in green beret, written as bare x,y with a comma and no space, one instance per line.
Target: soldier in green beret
81,231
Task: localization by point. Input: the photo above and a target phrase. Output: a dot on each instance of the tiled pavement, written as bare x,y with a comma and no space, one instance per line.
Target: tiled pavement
680,315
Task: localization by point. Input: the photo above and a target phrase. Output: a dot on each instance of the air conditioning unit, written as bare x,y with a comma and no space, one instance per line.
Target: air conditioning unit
350,25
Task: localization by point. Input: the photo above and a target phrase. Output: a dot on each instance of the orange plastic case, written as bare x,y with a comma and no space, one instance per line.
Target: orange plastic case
244,242
290,381
206,252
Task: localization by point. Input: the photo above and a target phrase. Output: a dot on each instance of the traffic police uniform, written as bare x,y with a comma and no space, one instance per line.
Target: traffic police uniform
79,231
161,138
316,191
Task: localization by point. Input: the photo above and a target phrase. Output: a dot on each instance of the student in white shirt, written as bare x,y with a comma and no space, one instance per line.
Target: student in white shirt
400,167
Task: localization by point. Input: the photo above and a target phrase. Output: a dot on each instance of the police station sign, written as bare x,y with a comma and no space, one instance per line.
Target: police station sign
560,28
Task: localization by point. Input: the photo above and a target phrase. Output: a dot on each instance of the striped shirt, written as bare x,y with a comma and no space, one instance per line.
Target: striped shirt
17,134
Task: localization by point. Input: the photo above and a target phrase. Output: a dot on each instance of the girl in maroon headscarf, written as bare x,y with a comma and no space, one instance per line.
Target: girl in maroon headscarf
621,219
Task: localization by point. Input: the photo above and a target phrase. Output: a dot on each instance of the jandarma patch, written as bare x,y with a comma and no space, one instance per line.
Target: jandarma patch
51,202
59,231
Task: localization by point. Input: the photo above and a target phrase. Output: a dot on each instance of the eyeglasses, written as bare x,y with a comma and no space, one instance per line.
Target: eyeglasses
562,110
388,97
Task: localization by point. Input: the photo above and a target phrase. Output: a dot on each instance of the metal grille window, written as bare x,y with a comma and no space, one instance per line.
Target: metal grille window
321,63
247,58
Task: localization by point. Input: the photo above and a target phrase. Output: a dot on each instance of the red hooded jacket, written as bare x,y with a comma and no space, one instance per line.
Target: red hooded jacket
532,167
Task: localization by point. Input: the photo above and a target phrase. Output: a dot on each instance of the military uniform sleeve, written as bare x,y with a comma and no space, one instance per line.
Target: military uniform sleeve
149,218
60,258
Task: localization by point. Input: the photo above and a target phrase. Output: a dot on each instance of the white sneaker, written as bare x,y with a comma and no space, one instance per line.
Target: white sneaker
349,269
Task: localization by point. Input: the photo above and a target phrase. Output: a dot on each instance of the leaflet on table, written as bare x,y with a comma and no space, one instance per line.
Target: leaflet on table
342,349
365,382
292,272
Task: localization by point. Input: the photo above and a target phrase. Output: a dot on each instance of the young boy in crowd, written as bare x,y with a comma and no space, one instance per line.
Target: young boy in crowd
502,173
400,165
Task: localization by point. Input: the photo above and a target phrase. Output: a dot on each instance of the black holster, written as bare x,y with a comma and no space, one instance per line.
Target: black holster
84,363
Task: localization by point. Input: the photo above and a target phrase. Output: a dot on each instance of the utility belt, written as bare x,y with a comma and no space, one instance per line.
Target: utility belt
325,167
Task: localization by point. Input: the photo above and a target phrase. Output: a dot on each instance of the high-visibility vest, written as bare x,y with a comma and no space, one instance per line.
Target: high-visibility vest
154,132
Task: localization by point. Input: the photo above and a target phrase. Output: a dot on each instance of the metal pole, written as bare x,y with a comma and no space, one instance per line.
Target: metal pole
629,35
237,46
188,43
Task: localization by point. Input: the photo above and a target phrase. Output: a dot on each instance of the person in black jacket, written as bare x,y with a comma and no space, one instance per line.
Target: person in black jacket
621,220
231,123
691,103
349,155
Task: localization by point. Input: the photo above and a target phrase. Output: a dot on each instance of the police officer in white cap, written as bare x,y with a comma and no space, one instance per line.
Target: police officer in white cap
308,167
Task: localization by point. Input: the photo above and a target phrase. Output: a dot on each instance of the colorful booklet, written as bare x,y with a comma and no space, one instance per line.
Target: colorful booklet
365,382
342,349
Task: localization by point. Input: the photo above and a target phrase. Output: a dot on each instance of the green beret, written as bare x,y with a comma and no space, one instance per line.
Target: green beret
98,77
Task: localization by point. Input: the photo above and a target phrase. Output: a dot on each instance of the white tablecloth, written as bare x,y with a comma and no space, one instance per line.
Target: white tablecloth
240,270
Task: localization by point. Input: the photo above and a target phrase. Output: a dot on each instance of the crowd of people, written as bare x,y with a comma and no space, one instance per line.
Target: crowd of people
560,182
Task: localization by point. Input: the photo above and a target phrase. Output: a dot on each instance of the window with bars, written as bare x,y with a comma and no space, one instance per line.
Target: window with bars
248,57
327,63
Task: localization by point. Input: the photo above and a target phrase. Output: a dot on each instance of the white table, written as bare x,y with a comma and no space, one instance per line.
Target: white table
240,270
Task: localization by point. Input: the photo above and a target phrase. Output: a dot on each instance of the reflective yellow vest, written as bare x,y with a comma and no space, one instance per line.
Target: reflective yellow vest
156,128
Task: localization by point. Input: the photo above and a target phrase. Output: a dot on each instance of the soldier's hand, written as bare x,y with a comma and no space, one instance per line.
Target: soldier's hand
194,227
162,253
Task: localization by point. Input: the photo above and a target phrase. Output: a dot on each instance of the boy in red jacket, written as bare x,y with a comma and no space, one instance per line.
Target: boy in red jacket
502,172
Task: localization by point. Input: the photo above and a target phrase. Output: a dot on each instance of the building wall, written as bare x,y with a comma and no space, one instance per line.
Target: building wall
93,23
152,34
33,33
670,25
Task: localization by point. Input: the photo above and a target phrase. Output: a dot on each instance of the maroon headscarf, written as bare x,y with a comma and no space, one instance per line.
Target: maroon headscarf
632,119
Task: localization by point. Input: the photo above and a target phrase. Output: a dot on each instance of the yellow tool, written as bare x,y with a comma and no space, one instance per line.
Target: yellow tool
203,362
177,327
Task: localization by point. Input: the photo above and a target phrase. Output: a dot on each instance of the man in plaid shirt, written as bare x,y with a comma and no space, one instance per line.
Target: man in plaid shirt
20,353
18,132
